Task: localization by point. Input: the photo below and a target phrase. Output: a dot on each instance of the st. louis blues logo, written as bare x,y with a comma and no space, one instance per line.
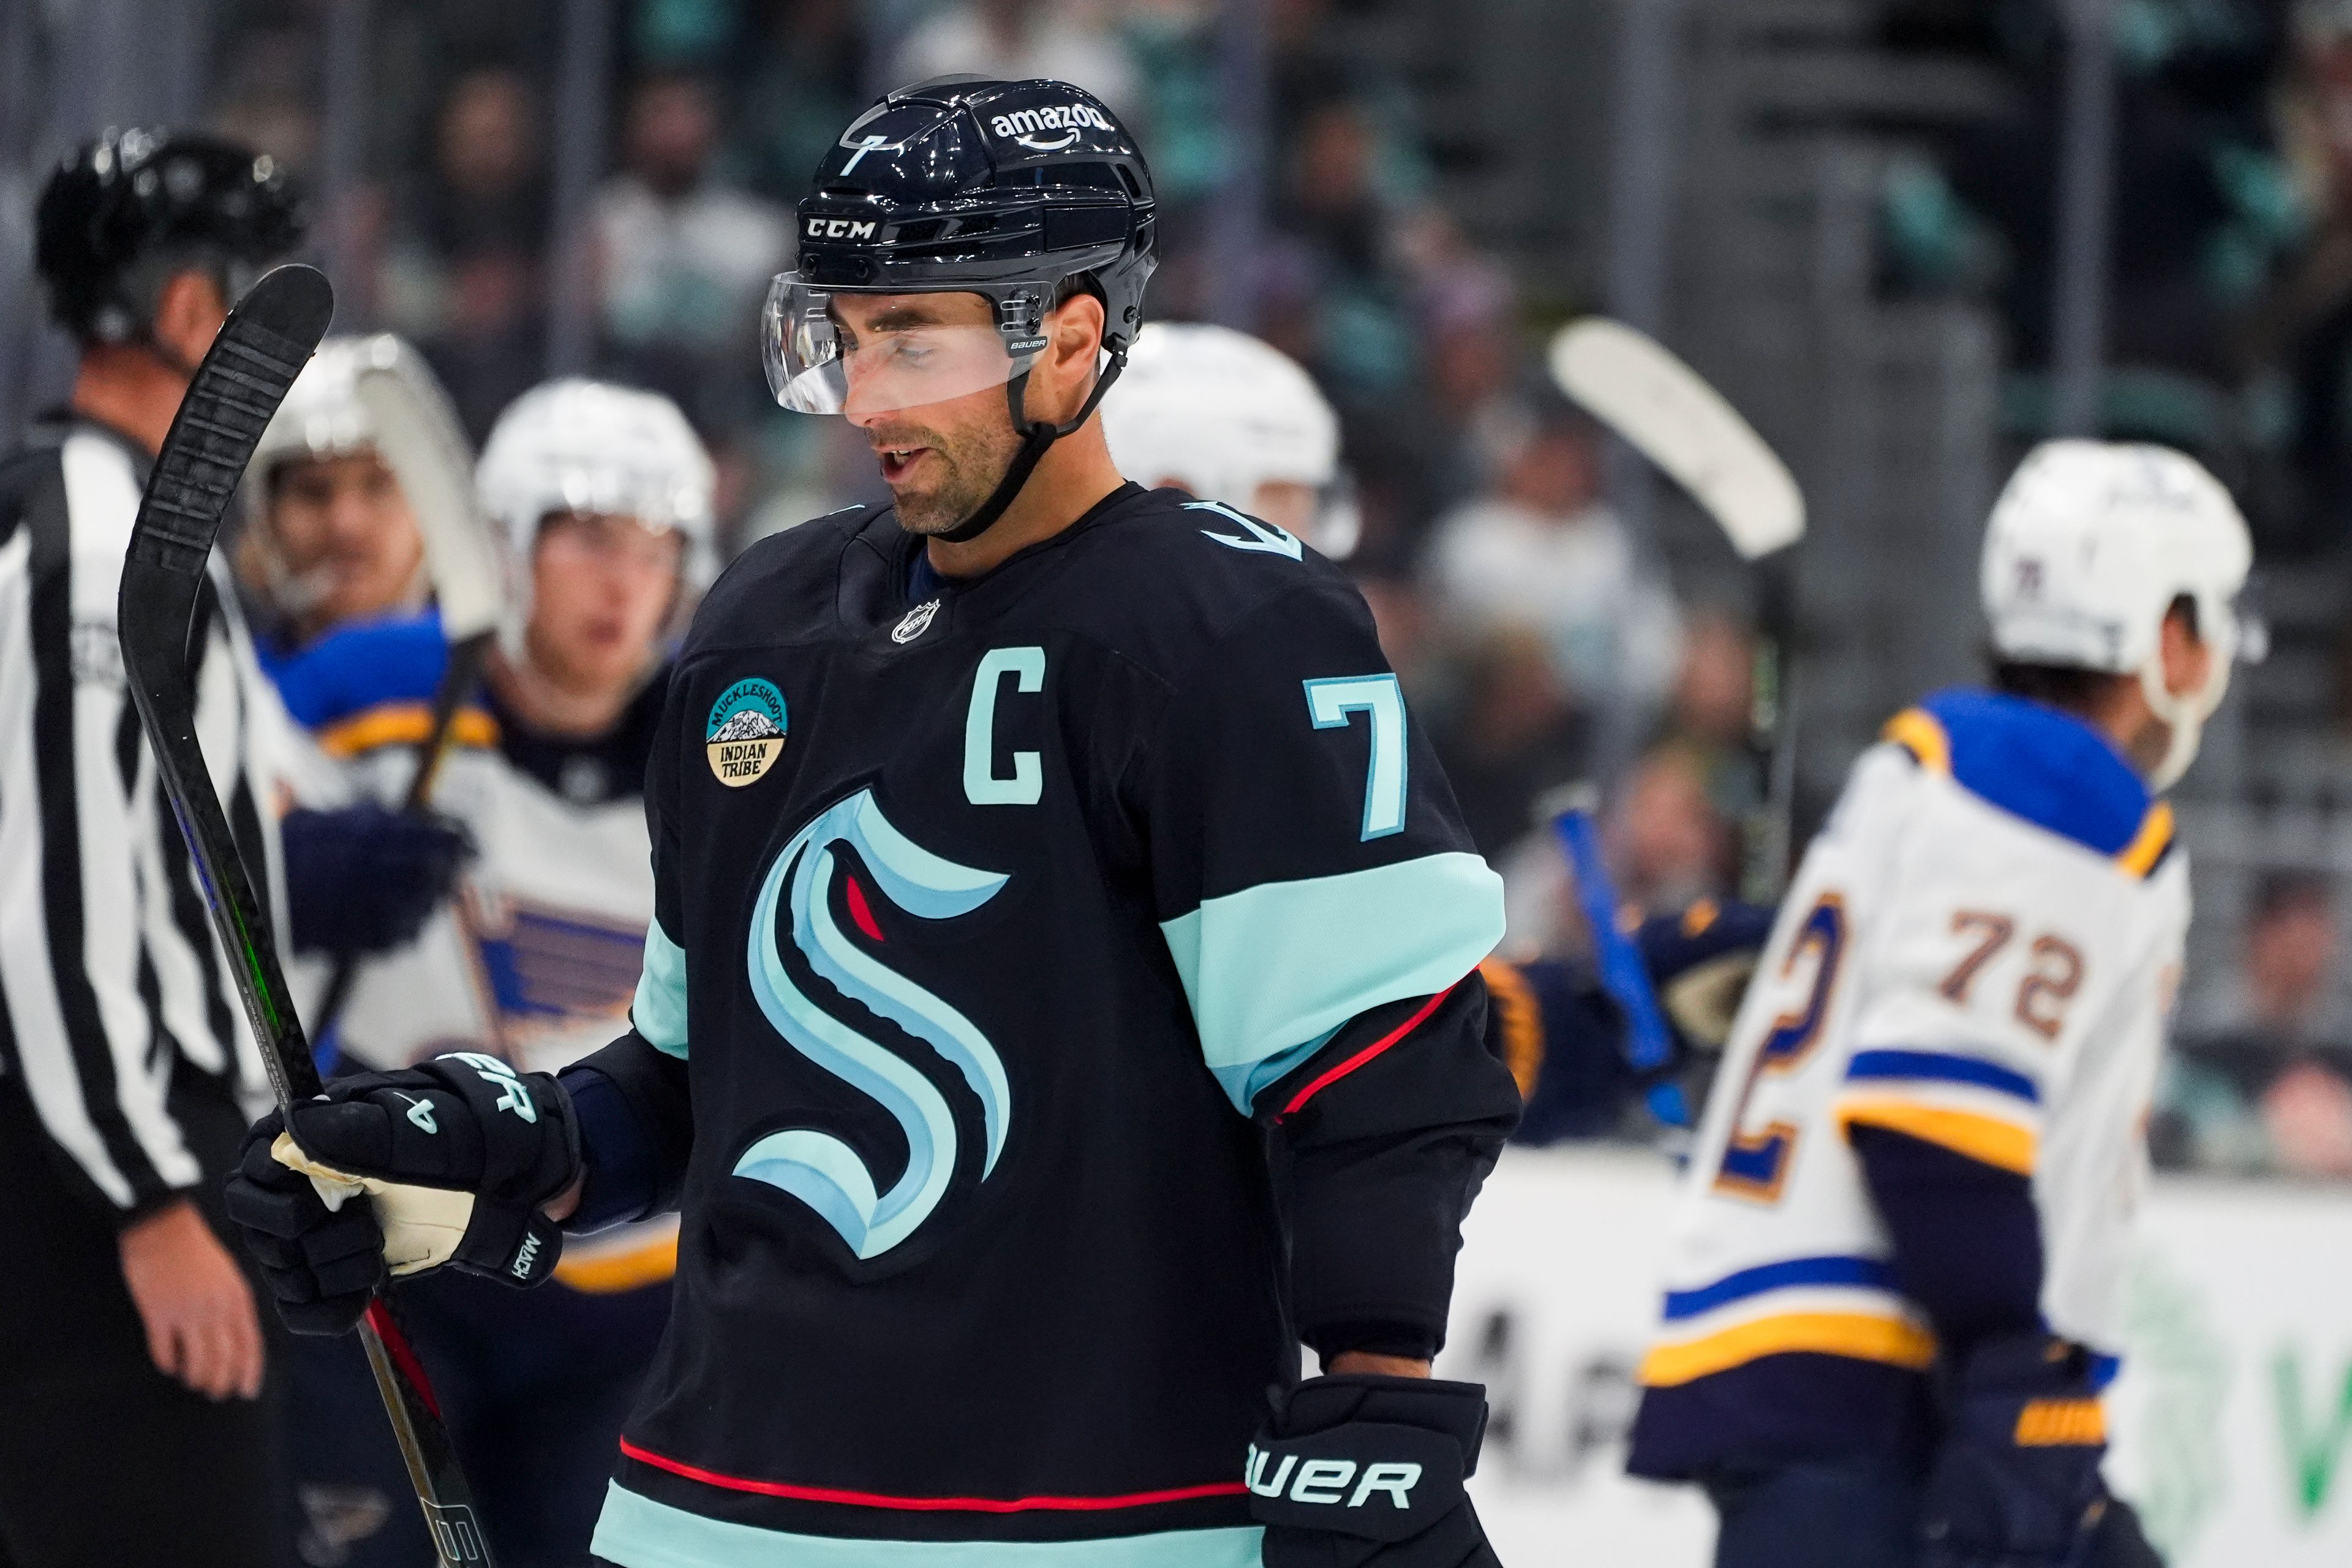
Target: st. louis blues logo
815,1167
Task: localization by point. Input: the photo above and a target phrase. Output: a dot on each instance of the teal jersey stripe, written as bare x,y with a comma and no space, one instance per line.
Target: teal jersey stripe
638,1532
1277,965
1244,1082
658,1011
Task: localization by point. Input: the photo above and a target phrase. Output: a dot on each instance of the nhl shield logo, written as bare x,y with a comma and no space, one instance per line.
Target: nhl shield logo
916,622
746,734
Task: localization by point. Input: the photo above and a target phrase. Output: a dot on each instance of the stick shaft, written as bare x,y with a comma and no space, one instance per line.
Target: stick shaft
165,577
1649,1041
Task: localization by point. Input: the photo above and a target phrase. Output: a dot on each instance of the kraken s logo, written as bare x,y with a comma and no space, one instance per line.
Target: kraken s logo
815,1167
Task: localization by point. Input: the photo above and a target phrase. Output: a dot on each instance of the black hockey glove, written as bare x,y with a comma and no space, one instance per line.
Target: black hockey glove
2016,1484
365,878
322,1265
457,1156
1357,1471
1700,960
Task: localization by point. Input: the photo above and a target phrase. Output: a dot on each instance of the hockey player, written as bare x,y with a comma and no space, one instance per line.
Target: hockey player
1228,417
329,537
602,495
1061,996
1894,1295
329,545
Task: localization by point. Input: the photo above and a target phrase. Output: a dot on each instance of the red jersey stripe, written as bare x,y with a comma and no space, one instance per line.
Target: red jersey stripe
927,1504
1368,1052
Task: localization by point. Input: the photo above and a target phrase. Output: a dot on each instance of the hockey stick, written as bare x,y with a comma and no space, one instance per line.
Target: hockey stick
418,436
1661,408
1649,1043
243,378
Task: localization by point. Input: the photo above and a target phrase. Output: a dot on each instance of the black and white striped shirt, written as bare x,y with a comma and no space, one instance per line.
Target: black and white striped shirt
115,1002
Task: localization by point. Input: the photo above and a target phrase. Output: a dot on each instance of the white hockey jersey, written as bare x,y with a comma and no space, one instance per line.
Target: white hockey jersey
536,957
1979,951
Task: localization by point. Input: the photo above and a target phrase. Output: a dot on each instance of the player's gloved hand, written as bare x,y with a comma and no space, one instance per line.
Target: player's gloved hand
457,1157
2016,1483
321,1263
1701,960
1360,1471
363,878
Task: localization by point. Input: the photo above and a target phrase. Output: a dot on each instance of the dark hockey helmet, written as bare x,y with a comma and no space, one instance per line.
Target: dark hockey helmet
120,214
1016,191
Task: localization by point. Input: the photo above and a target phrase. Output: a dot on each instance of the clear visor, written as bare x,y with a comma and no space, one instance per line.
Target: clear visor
834,351
2249,626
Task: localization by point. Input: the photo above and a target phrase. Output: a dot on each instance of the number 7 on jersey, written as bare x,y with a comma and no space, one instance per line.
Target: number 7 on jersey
1331,702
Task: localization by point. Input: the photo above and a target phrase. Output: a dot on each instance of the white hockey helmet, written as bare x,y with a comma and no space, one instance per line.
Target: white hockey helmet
322,418
585,446
1221,413
2090,544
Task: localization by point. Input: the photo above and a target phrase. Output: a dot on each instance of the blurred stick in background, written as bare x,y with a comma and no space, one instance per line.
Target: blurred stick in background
1661,408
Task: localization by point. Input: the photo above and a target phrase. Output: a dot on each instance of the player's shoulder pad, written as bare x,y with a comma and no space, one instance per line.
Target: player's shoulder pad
2042,765
364,665
1166,574
783,588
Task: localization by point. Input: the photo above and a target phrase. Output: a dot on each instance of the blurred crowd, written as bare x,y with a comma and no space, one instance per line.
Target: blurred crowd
1540,639
2229,330
1539,636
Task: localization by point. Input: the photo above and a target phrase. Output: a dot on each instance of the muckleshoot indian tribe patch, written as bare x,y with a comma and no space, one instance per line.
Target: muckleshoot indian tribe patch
747,732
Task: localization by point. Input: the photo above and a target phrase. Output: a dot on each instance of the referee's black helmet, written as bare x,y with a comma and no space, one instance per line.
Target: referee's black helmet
124,212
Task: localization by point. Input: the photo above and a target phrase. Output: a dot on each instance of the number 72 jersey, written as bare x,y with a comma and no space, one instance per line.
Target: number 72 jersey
1979,951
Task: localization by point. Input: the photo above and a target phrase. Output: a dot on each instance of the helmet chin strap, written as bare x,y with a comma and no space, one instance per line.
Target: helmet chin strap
1034,440
2184,714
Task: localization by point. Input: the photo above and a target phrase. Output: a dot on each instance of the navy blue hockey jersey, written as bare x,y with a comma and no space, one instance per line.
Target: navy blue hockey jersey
1063,999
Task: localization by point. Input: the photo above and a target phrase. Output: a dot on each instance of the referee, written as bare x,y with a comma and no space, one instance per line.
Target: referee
131,1361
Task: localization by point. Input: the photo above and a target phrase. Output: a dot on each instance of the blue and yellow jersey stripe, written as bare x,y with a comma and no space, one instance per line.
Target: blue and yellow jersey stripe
405,723
1838,1305
1971,1106
2048,768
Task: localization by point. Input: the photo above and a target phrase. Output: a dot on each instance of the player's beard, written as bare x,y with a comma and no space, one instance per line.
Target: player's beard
961,471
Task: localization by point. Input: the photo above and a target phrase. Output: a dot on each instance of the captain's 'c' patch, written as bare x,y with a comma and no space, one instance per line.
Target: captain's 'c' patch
748,724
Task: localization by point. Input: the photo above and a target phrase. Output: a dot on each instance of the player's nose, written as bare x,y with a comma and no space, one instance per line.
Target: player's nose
858,404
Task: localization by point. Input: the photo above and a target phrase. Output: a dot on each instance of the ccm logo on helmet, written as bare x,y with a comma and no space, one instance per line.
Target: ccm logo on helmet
1325,1480
839,228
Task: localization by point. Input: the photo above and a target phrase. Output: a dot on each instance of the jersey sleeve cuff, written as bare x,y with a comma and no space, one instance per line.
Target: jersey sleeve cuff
149,1202
621,1183
630,1100
1411,1341
1967,1104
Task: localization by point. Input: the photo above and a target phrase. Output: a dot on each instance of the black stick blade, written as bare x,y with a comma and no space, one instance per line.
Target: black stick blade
261,348
260,351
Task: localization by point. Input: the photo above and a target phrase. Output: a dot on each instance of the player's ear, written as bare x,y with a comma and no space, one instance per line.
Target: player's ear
1078,333
188,314
2188,659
